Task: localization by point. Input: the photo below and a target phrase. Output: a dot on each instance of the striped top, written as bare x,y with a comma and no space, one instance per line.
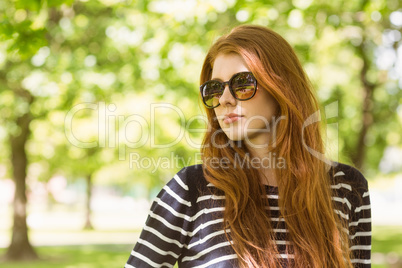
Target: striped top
185,222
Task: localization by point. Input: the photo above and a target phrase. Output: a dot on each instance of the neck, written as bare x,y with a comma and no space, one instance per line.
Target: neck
265,164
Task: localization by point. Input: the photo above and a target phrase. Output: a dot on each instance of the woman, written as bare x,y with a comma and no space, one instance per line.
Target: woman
264,195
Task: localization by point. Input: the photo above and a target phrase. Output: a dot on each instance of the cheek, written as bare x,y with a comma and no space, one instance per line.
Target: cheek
219,112
216,113
217,116
266,102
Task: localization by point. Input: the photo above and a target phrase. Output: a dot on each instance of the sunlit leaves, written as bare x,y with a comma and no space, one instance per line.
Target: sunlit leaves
137,53
33,5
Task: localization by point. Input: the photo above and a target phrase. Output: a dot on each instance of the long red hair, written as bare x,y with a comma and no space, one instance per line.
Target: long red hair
316,233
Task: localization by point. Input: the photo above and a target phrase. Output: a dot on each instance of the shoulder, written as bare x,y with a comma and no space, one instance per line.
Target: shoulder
343,173
348,182
191,180
192,176
191,172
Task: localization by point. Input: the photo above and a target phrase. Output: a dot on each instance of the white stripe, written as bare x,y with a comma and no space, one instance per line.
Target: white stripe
167,224
148,261
203,225
205,197
156,249
210,185
199,242
180,182
343,201
205,251
272,196
272,208
178,198
361,247
285,256
281,242
364,261
366,194
343,215
162,237
223,258
174,212
206,211
362,220
360,234
184,216
277,219
339,185
363,208
281,231
339,173
128,266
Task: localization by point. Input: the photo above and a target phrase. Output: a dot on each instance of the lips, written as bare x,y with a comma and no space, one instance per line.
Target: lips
231,118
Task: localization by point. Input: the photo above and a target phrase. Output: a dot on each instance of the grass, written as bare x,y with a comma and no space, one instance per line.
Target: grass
386,243
83,256
386,239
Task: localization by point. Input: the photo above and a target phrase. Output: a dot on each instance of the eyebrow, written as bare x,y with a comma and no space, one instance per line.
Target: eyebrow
218,79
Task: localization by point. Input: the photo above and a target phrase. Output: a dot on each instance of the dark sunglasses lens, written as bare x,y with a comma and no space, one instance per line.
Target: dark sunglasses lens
211,92
243,85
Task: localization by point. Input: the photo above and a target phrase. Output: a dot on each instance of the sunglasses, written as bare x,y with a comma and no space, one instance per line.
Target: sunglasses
242,86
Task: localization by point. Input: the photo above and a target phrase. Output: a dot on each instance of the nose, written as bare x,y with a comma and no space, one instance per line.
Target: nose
227,97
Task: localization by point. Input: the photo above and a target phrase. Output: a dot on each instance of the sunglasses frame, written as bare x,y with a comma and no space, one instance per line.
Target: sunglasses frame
223,85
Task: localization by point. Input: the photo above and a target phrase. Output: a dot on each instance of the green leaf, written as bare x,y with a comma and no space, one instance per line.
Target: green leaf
33,5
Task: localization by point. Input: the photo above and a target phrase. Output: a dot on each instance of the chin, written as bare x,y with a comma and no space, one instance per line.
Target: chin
233,132
234,136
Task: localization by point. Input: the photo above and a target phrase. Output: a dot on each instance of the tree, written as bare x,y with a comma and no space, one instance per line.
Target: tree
25,35
20,248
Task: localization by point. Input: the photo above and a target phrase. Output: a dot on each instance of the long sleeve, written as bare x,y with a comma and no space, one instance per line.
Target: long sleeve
360,223
165,233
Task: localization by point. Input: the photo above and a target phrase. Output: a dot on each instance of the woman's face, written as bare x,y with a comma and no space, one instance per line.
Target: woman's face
249,120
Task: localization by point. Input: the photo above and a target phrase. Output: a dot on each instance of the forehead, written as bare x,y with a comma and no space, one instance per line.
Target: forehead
226,65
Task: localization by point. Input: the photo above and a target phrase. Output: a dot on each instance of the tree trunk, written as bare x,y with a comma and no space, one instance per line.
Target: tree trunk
367,106
88,224
20,247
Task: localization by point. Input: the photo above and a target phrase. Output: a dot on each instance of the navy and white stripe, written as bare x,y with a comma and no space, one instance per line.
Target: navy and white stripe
185,222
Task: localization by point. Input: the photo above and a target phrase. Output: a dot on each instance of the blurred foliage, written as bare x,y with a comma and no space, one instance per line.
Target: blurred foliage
117,58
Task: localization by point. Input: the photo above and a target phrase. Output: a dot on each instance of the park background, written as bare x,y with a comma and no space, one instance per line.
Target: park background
93,91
